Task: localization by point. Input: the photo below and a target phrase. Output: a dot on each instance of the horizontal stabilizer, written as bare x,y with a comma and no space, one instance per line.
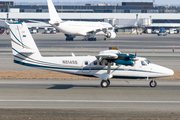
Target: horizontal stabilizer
26,51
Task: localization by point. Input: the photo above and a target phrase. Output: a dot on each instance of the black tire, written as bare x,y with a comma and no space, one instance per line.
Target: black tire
153,84
109,82
104,84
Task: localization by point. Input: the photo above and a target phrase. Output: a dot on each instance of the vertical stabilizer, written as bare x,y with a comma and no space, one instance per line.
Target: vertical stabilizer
54,18
23,45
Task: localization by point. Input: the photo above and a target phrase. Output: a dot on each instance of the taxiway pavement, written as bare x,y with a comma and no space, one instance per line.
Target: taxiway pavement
157,49
85,99
125,99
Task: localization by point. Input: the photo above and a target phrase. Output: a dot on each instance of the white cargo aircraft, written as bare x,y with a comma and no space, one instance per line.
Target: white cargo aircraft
106,65
71,29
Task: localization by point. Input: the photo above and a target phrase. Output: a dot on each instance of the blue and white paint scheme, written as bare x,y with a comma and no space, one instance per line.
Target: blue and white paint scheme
106,65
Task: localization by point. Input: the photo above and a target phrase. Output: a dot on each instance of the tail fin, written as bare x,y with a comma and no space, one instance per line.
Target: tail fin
54,18
23,45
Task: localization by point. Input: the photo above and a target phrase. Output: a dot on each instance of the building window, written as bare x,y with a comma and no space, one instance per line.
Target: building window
126,11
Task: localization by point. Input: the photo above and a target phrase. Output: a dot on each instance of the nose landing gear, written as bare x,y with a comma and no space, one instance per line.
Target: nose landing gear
153,83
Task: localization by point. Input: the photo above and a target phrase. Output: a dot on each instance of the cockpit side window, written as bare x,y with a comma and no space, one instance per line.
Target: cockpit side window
147,61
143,63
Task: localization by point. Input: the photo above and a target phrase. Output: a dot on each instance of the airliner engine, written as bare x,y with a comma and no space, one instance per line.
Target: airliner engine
111,35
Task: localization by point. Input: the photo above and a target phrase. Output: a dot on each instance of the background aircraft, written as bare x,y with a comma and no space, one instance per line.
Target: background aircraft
71,29
106,65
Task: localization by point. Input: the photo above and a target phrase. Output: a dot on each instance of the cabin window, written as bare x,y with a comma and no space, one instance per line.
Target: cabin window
117,64
143,63
95,62
86,62
112,64
100,63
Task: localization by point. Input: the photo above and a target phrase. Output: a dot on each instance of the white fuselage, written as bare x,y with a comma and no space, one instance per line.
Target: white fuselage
86,65
79,28
25,52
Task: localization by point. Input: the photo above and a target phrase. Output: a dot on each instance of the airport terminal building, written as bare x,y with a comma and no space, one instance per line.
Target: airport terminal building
136,14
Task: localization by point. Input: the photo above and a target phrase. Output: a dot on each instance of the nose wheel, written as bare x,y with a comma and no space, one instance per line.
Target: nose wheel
153,83
105,83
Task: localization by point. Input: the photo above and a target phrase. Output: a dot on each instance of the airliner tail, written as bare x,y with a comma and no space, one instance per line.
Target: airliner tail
54,17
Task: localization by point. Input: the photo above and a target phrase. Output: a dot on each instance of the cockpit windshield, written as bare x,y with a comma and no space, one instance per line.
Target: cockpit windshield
147,61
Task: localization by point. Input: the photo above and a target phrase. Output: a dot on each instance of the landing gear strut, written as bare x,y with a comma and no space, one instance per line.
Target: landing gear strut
106,82
153,83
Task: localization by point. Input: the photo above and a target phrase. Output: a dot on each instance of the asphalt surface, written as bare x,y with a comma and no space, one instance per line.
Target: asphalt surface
85,99
144,45
146,41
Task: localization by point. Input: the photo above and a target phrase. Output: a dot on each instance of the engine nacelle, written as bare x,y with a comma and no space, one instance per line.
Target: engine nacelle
125,62
111,35
125,59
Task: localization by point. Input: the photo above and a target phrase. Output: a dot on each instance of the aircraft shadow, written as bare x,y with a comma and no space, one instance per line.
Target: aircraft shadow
69,86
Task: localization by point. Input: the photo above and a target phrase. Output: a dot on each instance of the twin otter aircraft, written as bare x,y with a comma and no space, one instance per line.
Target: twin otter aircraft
106,65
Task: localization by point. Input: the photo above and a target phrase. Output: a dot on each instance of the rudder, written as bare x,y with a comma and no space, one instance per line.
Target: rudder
23,45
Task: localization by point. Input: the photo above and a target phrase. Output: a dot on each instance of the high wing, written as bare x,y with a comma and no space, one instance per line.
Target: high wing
108,54
116,57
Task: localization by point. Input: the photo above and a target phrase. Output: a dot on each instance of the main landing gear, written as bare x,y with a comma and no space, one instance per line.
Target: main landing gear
70,37
91,39
153,83
105,83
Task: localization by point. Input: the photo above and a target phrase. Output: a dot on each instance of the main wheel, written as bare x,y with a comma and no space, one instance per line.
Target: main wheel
109,82
153,83
104,84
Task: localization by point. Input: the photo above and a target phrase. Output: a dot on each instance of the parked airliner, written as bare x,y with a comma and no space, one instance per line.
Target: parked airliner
71,29
106,65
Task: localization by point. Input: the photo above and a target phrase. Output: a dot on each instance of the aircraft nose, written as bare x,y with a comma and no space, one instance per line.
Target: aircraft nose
168,72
